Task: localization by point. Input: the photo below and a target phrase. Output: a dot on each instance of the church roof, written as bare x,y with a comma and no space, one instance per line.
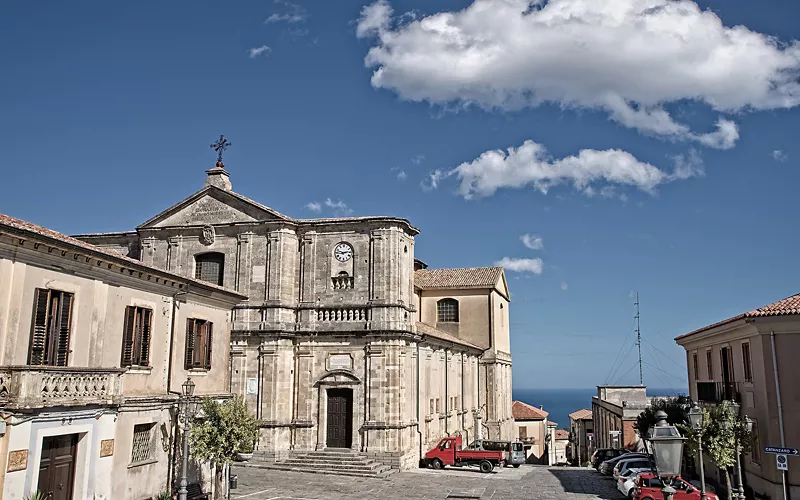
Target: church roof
524,411
469,277
28,227
430,331
582,414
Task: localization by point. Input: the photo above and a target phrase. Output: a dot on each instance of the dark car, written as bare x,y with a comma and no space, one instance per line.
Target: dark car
607,468
602,454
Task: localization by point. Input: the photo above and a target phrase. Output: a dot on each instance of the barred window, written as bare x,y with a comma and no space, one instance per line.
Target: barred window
52,318
447,311
136,336
143,443
209,267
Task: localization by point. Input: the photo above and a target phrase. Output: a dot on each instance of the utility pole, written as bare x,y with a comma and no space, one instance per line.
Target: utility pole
639,340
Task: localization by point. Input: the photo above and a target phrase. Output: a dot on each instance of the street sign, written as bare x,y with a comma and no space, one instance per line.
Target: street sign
614,433
781,451
589,436
782,462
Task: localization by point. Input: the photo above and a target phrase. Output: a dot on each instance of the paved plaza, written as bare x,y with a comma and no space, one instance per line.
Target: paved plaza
525,483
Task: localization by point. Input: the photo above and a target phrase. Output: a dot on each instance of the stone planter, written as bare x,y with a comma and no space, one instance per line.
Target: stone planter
243,457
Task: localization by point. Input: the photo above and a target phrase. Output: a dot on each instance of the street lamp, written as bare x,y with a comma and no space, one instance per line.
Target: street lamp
667,446
188,391
745,426
696,421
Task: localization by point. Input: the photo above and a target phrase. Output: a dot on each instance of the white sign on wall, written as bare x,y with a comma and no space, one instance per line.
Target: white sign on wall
252,386
340,362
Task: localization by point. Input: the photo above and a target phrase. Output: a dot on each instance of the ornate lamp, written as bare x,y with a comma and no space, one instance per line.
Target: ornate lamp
188,391
188,387
696,418
696,421
667,446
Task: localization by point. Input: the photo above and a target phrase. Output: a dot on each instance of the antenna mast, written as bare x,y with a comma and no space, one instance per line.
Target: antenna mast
639,340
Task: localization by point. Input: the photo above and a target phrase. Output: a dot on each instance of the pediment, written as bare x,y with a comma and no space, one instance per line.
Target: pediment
338,377
212,205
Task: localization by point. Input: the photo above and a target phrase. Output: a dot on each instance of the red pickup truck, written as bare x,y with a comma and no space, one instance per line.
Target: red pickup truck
449,452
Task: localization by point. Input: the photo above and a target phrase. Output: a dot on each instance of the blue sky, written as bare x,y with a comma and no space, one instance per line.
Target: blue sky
663,160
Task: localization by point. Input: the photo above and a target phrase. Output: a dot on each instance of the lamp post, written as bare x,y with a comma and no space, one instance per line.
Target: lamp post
188,391
667,446
745,426
696,421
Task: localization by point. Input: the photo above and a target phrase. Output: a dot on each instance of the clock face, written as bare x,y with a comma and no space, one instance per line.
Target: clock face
343,252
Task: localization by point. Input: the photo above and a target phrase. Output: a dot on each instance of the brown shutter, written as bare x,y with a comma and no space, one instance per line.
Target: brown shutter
39,332
144,345
208,343
65,314
189,359
127,336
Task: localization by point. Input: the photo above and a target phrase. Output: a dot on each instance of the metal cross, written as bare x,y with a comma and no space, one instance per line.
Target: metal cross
221,145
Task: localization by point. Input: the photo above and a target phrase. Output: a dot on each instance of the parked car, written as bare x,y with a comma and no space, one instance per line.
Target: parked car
696,484
626,483
607,467
631,463
515,450
602,454
648,487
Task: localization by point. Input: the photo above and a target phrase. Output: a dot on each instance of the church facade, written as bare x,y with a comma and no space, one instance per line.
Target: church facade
345,339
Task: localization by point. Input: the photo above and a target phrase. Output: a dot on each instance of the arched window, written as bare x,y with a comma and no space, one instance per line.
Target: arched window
209,267
447,311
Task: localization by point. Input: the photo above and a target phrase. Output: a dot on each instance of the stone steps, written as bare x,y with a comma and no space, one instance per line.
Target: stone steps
335,462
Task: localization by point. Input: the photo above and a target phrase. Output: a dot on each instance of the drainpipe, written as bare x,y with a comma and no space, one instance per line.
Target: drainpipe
419,432
364,444
780,407
446,401
463,422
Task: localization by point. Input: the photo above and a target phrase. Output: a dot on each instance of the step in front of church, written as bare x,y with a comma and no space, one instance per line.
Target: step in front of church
341,462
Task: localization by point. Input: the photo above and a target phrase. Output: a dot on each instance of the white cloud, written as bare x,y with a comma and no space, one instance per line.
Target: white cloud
564,286
531,165
401,174
779,156
521,265
432,181
416,160
314,206
339,208
627,57
689,165
257,51
532,241
293,14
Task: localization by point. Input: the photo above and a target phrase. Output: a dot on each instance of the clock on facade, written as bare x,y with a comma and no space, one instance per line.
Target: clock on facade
343,252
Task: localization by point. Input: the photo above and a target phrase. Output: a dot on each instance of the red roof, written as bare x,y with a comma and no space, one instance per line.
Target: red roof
523,411
562,434
473,277
785,307
582,414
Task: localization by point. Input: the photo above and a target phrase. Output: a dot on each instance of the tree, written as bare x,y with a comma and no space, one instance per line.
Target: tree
676,408
222,430
722,428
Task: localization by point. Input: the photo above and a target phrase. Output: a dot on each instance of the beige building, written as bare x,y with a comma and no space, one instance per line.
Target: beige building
733,360
530,425
344,340
94,347
558,444
614,412
582,436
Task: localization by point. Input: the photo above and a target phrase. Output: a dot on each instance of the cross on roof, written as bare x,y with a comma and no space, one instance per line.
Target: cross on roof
221,145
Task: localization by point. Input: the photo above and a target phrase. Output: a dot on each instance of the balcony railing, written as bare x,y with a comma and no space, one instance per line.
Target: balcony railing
24,387
717,392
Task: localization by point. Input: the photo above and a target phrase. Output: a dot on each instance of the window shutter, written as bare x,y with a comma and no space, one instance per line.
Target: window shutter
144,352
39,333
62,353
127,336
207,363
188,362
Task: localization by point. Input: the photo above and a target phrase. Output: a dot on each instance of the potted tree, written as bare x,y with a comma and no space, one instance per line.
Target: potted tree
244,451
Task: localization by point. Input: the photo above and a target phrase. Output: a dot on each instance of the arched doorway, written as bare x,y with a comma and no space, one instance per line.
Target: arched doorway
339,431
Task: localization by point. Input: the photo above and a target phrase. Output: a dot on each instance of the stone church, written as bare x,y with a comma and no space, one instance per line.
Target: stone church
345,339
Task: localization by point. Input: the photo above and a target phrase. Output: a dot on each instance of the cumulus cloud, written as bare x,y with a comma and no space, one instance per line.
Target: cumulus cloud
257,51
531,165
628,58
339,208
532,241
292,13
521,265
314,206
564,286
779,156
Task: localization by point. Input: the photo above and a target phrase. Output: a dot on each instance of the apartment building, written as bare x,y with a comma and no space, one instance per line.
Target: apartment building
750,358
614,412
94,348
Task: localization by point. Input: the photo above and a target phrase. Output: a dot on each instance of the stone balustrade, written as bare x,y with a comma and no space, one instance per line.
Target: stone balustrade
42,386
340,314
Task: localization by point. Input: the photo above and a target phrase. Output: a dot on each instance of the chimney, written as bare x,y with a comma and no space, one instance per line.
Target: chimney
219,177
541,407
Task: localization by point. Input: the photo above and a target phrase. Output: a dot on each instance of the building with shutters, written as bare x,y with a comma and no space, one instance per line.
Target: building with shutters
530,424
345,340
94,347
581,431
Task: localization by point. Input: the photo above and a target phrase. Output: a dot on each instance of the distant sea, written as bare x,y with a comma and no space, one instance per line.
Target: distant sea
559,403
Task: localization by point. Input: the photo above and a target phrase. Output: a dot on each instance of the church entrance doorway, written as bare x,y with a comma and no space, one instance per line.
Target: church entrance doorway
340,418
57,466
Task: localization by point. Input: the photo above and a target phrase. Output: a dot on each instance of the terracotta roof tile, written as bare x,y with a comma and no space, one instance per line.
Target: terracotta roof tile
561,434
524,411
785,307
29,227
582,414
470,277
427,329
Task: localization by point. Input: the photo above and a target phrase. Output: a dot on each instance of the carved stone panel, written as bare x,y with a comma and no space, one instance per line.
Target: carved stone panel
17,460
106,448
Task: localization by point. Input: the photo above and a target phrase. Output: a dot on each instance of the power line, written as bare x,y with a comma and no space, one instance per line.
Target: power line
619,365
627,372
664,354
621,347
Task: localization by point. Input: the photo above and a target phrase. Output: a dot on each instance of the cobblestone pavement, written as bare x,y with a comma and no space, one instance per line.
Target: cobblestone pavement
525,483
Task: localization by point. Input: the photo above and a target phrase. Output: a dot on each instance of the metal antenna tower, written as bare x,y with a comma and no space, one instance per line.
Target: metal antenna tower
639,339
